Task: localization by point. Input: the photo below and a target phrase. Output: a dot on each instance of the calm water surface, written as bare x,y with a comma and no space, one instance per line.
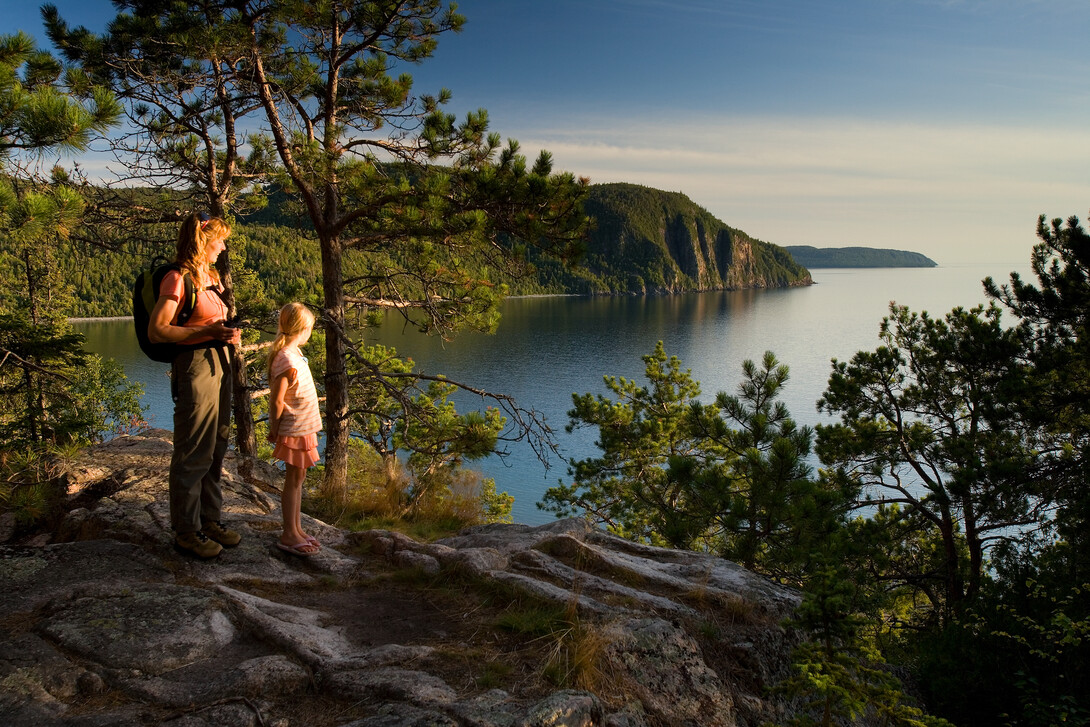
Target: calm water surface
546,349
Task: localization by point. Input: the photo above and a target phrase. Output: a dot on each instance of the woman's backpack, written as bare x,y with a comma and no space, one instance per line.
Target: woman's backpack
145,294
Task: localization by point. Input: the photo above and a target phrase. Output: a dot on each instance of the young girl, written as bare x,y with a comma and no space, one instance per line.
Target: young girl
294,421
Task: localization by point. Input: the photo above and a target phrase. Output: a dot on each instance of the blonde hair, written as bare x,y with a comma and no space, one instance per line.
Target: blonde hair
193,236
295,318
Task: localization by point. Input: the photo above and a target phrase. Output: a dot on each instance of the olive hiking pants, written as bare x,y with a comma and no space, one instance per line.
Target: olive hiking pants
201,388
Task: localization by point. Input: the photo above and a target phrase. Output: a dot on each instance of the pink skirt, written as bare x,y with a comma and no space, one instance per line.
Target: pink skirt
301,452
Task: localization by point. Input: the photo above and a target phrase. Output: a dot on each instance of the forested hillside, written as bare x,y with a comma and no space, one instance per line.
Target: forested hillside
645,241
651,241
284,260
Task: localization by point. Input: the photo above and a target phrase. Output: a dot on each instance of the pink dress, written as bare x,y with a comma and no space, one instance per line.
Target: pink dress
301,420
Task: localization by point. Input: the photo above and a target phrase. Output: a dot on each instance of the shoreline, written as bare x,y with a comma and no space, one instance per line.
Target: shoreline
103,318
538,295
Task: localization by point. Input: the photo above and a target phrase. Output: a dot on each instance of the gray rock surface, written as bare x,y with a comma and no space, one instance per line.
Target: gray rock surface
664,668
103,623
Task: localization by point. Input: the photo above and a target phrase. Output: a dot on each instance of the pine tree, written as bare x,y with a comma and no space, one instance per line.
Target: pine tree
360,153
41,359
929,435
838,677
1056,312
52,393
407,204
728,477
170,64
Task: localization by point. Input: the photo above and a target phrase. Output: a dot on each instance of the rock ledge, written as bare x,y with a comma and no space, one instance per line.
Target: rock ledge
107,625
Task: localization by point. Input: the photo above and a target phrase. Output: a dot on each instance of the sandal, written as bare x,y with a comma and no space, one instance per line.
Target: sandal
299,549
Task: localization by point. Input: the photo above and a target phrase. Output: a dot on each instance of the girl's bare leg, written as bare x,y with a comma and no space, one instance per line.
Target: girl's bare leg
291,502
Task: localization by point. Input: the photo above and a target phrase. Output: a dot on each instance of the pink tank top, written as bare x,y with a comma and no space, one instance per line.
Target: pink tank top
210,308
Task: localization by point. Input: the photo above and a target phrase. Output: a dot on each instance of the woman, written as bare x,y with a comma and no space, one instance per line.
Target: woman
200,386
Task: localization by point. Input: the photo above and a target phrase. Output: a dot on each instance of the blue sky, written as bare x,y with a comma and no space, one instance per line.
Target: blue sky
941,126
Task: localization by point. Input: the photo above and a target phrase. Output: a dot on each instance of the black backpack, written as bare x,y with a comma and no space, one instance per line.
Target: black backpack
145,294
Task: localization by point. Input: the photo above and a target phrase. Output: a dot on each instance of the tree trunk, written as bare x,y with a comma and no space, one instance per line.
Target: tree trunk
390,470
955,590
976,549
33,418
335,486
245,441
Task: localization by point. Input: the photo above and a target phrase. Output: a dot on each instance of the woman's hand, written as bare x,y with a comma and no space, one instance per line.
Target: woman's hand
222,332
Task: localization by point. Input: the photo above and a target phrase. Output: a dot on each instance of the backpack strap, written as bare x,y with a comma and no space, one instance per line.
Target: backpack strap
188,304
189,299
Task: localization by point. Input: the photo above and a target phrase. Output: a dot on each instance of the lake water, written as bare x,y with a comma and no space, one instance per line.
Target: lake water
546,349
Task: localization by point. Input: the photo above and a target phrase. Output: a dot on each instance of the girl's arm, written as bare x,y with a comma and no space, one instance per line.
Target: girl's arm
278,390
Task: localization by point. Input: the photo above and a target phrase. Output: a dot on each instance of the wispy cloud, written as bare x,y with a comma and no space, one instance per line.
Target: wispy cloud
837,181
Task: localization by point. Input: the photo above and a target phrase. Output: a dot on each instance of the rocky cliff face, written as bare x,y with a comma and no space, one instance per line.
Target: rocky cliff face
651,241
105,624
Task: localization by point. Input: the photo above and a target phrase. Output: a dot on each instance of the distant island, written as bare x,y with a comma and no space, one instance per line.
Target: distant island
857,257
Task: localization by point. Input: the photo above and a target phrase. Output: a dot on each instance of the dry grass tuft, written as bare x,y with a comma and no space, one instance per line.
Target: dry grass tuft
384,495
723,608
576,654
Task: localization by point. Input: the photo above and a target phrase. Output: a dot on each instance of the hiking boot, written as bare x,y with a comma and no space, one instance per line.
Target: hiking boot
223,536
196,544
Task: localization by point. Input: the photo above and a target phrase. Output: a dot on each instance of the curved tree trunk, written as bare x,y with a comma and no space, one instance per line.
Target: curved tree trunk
335,486
955,588
245,441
